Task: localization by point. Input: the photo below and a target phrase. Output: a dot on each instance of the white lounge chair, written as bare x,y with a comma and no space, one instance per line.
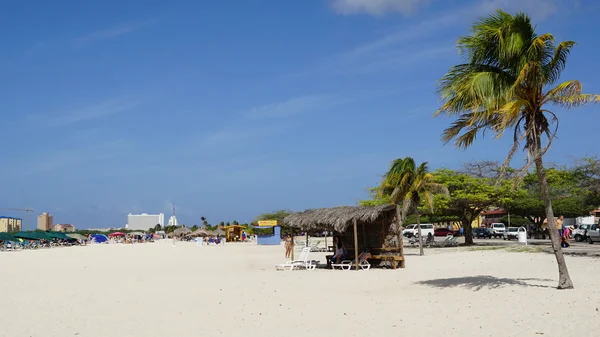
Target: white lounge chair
302,262
348,264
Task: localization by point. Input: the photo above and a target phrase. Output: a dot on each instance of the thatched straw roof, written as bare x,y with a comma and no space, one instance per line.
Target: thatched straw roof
218,231
182,231
201,232
339,218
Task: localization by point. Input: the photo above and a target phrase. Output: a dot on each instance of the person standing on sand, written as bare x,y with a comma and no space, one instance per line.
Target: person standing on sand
288,246
559,225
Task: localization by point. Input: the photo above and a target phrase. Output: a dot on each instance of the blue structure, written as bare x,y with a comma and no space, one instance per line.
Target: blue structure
99,238
269,239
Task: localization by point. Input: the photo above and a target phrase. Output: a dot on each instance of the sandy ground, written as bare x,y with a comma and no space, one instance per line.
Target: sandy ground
233,290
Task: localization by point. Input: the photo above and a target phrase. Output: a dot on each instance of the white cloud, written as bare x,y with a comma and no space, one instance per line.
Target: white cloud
291,107
110,33
96,111
377,7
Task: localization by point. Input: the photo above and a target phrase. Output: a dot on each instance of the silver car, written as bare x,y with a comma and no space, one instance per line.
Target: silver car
593,234
511,233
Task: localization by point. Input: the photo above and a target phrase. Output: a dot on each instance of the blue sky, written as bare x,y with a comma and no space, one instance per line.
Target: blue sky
235,108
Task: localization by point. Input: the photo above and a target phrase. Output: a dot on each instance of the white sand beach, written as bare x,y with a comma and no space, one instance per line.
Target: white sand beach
233,290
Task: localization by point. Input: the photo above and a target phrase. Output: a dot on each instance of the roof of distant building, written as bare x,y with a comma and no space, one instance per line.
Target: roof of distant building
494,211
9,217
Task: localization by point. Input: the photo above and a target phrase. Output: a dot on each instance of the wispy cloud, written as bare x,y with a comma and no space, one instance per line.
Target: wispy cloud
377,7
73,156
408,44
291,107
110,33
266,120
96,111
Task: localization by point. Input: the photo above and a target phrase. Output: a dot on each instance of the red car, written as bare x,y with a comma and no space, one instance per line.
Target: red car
444,232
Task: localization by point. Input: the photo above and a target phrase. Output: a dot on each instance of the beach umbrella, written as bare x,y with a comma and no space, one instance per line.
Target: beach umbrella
218,231
116,234
8,237
77,236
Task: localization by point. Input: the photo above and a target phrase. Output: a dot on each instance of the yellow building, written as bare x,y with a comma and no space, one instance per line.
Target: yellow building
45,222
10,224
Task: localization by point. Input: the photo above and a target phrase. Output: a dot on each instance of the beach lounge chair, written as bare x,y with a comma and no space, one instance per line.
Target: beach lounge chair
449,241
301,262
348,264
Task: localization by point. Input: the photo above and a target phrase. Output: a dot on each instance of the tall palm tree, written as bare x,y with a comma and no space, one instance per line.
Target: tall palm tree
508,81
408,185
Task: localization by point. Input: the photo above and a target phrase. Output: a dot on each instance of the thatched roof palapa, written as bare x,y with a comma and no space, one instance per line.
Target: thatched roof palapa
339,218
181,231
201,232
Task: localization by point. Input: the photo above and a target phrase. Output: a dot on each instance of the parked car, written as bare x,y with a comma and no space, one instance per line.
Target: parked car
593,234
482,233
497,229
579,234
445,232
413,230
511,233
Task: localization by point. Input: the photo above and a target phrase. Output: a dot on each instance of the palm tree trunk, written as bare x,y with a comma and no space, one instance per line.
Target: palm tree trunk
564,280
398,226
420,234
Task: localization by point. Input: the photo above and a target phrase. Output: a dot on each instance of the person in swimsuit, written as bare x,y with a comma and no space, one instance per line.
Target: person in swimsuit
288,246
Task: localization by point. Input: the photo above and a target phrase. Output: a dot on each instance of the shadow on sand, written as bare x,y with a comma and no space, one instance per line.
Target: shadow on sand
477,283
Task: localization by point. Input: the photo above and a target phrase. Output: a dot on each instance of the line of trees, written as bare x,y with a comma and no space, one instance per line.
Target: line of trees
475,188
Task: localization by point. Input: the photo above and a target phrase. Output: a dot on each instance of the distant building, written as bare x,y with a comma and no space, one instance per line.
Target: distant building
173,221
493,216
45,221
145,221
10,224
63,228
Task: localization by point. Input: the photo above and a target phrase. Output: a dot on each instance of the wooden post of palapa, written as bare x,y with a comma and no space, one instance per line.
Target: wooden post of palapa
292,244
355,245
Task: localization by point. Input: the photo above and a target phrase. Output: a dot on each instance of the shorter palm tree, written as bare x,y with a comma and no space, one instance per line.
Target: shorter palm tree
410,185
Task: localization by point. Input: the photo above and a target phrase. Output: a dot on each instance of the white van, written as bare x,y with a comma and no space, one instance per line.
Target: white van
497,229
413,230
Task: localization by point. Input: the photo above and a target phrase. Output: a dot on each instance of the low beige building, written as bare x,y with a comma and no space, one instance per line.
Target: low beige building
63,228
10,224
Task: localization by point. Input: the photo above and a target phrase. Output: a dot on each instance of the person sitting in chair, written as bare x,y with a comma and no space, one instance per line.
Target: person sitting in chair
340,250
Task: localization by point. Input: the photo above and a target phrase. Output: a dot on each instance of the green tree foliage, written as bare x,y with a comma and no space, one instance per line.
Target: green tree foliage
376,199
508,82
570,198
468,197
409,185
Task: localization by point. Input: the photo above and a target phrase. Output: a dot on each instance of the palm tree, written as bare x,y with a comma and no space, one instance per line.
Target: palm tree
507,82
409,185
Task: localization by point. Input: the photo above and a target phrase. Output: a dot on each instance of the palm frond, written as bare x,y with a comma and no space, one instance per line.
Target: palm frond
557,64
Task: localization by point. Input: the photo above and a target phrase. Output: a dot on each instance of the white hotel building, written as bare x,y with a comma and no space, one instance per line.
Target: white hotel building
145,221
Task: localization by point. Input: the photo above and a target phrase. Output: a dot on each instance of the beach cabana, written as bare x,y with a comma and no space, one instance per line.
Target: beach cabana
233,231
360,228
